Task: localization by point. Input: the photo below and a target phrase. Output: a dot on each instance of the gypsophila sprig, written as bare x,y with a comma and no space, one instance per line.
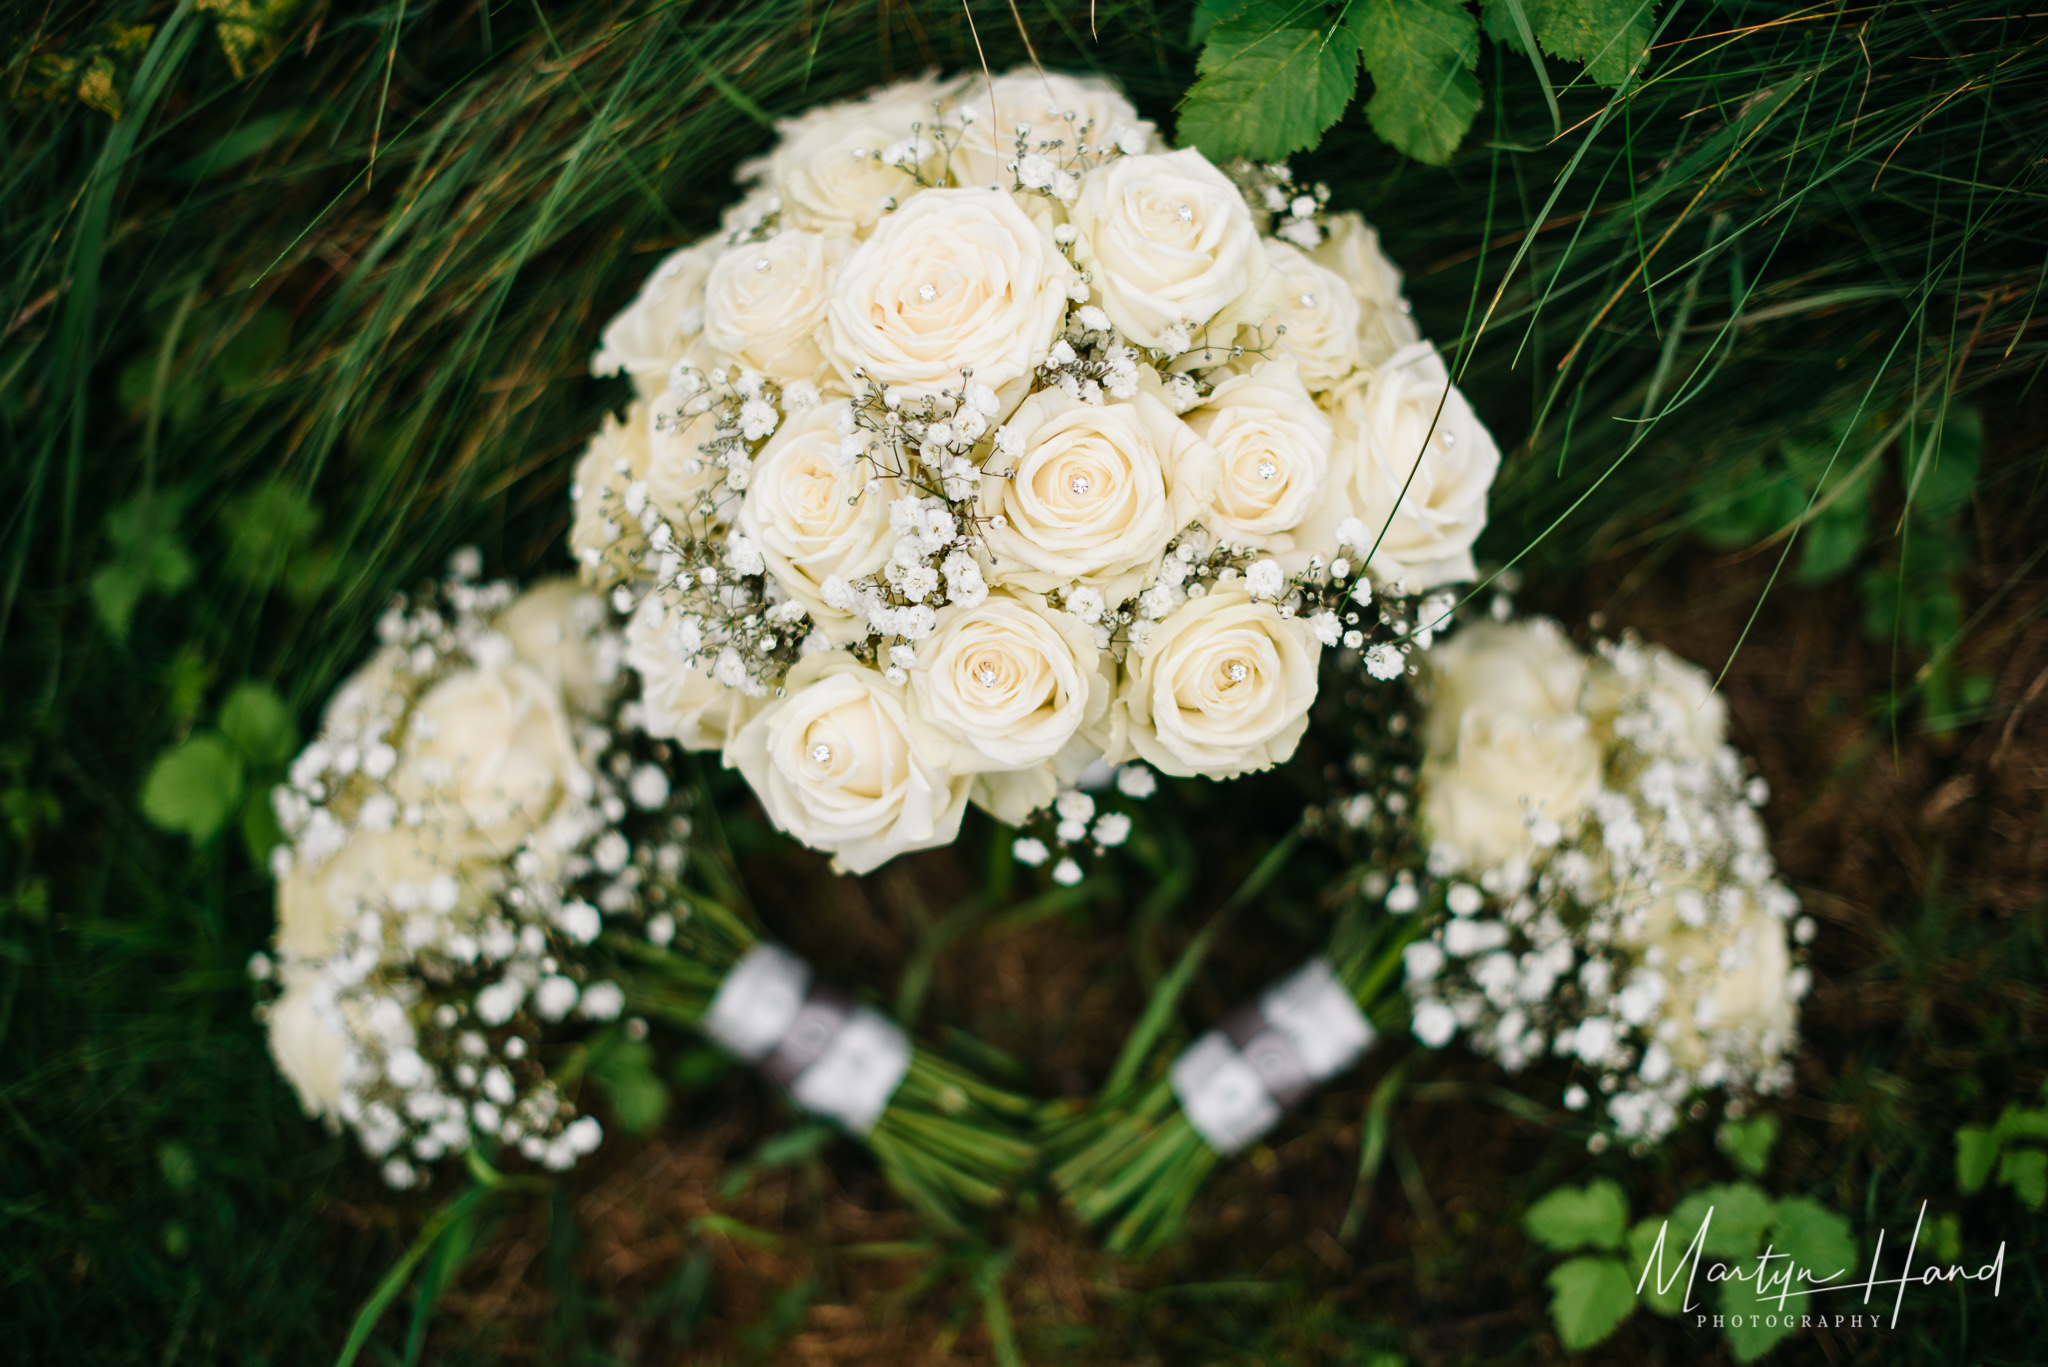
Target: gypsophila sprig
991,439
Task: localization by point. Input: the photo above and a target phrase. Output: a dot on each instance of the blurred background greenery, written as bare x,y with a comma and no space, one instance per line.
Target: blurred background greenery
299,296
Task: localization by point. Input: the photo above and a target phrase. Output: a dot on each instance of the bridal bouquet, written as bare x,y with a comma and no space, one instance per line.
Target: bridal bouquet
1561,857
991,439
1606,885
489,865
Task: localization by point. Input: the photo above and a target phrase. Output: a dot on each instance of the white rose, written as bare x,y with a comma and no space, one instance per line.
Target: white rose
1429,496
1728,982
1317,319
1528,666
1168,242
309,1050
1222,687
661,325
1505,768
678,697
491,749
764,302
1273,448
955,279
1690,717
558,629
813,516
834,765
827,168
1097,494
1012,795
684,480
603,537
319,899
1051,107
1006,685
1352,252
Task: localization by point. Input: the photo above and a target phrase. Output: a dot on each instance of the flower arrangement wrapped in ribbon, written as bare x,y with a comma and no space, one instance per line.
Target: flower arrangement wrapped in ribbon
1562,858
491,876
989,440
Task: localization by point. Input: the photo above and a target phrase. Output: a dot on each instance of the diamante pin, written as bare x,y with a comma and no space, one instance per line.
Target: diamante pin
1267,469
1080,484
821,754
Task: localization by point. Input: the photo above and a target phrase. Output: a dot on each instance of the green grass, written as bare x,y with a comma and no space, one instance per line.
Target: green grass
276,342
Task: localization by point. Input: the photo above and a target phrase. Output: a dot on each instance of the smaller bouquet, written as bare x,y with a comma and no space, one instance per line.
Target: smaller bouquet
1604,882
490,869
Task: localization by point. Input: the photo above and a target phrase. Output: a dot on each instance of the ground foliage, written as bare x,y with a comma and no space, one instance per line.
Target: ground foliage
298,297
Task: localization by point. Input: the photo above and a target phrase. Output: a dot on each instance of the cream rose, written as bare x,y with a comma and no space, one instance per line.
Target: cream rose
662,324
955,279
1006,685
827,168
1039,107
1352,252
678,697
1689,717
814,515
1097,493
616,457
1168,243
309,1051
1317,320
834,765
1273,450
684,481
490,749
1221,687
1505,769
318,899
1727,980
764,302
558,630
1528,667
1421,474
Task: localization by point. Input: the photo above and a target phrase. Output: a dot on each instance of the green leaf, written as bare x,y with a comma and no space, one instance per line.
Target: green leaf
253,350
260,832
1741,1213
1273,77
1208,13
194,786
1748,1142
625,1069
1940,475
256,720
2026,1172
2016,1123
1976,1152
149,557
1753,1325
1420,54
267,527
1642,1243
1612,37
1815,1238
1589,1297
1746,503
1579,1217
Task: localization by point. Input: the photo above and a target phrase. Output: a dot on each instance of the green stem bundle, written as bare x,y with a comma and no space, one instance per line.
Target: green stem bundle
1133,1162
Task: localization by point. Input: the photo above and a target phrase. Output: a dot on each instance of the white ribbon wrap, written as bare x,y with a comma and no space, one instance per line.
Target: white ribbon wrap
838,1060
1236,1081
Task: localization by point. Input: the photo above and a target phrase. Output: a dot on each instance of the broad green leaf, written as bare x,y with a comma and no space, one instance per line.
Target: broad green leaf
149,557
1816,1239
1589,1297
1677,1267
1976,1152
1830,542
1749,1319
1592,1216
253,350
1745,503
1741,1213
625,1069
2026,1172
256,720
193,787
260,832
1940,475
1748,1142
1272,79
1420,54
1208,13
2014,1122
1610,36
268,526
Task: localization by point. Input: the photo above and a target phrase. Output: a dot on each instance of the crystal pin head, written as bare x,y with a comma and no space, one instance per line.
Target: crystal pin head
821,754
927,292
1267,469
1183,213
987,675
1080,484
1236,672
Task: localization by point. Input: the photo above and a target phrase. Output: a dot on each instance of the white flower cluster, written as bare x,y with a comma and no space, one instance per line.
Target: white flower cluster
990,440
463,829
1608,884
